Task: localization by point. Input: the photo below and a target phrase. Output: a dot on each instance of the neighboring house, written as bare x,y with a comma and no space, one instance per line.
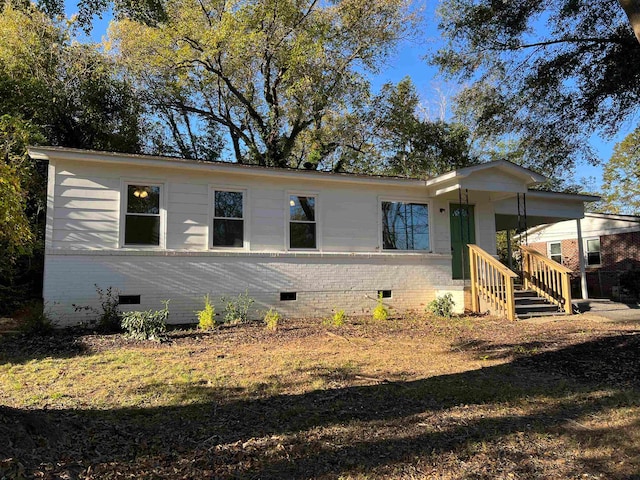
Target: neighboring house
601,245
303,242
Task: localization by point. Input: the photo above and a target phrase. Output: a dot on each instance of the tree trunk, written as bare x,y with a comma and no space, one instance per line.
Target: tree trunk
632,9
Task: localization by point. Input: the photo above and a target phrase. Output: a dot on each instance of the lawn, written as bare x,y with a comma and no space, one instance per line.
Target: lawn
407,398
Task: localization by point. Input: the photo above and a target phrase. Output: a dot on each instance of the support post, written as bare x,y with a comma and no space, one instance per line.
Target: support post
509,252
475,303
583,271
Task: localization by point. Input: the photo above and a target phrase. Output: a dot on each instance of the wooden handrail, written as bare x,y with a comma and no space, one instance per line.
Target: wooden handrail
547,278
492,283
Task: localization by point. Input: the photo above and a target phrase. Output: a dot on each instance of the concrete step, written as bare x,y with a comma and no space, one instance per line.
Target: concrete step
530,301
537,308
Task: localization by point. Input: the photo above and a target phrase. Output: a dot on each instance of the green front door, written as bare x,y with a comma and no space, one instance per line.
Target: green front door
463,232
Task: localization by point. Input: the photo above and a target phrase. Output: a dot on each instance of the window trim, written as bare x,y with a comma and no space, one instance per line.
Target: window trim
246,243
287,230
549,250
400,199
586,252
124,184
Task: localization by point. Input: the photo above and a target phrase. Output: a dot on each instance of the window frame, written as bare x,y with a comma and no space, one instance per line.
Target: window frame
427,202
122,221
586,252
246,244
550,255
287,223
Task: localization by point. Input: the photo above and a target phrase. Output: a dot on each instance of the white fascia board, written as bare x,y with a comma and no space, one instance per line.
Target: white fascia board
68,154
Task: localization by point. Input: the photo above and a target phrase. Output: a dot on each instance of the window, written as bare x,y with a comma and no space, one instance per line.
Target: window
228,219
593,251
142,217
302,222
555,251
405,226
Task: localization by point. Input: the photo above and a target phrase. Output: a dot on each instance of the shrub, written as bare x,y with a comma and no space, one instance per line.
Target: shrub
336,320
109,315
207,316
630,281
271,319
236,310
442,306
380,313
148,325
34,319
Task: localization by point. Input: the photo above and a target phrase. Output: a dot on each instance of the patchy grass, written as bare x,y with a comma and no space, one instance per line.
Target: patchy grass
409,398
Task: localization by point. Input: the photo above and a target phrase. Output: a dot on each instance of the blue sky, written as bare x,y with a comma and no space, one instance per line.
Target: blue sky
409,60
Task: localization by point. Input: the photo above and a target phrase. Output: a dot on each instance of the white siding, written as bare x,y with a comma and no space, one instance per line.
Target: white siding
593,225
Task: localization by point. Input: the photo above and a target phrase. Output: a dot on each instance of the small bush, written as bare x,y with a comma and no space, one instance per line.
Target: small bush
148,325
236,310
207,316
271,319
109,315
34,319
442,306
630,281
380,313
336,320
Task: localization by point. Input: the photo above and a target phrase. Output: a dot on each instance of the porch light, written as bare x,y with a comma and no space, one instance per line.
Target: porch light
140,193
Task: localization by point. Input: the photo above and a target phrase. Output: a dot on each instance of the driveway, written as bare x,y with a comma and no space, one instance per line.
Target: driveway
613,311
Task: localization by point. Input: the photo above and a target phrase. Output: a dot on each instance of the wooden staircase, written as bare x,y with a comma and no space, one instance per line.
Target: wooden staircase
546,288
530,305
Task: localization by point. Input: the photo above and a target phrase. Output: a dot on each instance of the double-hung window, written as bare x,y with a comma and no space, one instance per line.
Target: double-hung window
302,222
593,251
142,215
405,226
555,251
228,219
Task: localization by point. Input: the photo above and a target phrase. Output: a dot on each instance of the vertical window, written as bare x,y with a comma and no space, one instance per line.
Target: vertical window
593,251
302,222
142,217
555,251
405,226
228,219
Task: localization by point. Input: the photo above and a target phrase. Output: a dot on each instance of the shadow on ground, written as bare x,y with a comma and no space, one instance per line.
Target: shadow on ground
358,429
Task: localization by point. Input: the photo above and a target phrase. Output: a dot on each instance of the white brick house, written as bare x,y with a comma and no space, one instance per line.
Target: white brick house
303,242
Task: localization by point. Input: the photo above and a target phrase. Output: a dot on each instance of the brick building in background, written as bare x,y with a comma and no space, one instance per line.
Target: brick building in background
610,246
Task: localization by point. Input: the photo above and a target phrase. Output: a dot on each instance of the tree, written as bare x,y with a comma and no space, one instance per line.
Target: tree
622,177
546,74
415,146
265,71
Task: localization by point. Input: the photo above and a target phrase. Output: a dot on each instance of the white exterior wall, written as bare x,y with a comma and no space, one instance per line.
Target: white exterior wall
592,225
84,244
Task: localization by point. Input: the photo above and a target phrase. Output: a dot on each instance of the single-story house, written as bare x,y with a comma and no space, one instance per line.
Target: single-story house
598,248
303,242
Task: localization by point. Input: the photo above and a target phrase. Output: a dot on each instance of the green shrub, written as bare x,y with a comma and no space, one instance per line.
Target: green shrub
148,325
336,320
380,313
271,319
630,281
109,317
207,316
442,306
236,310
35,320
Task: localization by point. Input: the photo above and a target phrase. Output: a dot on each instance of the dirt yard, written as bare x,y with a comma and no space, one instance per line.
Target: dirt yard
411,398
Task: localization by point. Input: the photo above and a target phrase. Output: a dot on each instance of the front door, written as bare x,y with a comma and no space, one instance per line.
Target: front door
463,232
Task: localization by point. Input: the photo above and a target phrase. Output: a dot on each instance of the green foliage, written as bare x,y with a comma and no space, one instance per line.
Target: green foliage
622,177
630,281
415,146
442,306
109,317
236,310
338,318
380,313
207,316
271,320
531,66
35,320
147,325
269,74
